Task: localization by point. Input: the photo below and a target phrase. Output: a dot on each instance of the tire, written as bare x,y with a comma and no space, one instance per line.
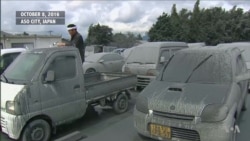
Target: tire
139,88
90,70
37,130
120,105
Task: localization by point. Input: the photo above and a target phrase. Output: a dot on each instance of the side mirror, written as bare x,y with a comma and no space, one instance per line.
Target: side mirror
101,61
243,77
50,76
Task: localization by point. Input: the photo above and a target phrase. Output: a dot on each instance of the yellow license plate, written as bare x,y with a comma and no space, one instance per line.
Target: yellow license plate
160,131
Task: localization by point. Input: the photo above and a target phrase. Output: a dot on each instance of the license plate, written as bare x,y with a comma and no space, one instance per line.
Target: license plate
160,131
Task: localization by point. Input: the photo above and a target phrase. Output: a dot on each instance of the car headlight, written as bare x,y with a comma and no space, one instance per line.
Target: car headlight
214,113
12,107
142,104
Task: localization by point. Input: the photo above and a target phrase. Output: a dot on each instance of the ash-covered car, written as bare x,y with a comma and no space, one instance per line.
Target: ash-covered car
198,96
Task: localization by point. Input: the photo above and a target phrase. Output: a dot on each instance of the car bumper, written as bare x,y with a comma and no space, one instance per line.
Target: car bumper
184,130
11,125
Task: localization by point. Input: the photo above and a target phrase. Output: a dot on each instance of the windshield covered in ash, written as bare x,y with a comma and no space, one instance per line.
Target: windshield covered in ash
198,67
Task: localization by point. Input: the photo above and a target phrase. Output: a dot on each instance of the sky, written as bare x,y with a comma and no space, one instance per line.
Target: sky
124,16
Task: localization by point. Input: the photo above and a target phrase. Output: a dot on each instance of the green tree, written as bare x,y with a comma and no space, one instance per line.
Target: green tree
162,29
121,40
99,34
214,25
139,37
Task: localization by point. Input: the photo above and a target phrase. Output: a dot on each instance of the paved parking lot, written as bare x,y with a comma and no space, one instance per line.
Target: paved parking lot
105,125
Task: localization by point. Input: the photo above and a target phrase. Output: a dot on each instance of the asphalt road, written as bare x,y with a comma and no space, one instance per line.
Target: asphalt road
105,125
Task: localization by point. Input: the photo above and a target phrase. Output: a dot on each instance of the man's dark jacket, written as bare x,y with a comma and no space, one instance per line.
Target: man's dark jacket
78,42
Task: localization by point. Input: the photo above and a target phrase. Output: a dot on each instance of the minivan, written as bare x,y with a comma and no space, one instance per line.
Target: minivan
145,60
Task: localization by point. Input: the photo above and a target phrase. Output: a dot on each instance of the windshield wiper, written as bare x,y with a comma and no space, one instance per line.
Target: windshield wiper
203,61
134,62
3,76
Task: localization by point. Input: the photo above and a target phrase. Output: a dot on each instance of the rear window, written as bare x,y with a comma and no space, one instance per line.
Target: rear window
143,55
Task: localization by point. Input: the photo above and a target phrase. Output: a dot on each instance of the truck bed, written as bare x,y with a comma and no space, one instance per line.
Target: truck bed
101,85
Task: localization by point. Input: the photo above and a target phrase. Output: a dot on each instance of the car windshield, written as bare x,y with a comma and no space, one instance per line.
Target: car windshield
23,68
198,68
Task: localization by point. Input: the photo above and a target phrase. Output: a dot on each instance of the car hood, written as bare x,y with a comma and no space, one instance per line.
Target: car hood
9,92
184,98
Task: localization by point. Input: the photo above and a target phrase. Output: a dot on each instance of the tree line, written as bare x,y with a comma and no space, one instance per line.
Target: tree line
103,35
212,26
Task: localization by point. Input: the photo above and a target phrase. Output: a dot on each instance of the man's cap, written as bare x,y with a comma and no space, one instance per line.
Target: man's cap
71,26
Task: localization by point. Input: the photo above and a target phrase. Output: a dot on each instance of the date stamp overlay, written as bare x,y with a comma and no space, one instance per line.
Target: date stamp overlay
40,17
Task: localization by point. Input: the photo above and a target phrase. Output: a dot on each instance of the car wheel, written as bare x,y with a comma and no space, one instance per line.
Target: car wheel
120,105
139,88
90,70
37,130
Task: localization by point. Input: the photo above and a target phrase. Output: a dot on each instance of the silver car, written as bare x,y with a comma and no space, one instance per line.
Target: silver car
103,62
198,96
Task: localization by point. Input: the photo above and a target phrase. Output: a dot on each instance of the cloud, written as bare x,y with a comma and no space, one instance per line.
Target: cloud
127,12
121,16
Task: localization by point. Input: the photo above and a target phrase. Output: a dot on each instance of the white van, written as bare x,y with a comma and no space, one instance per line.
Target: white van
8,56
145,60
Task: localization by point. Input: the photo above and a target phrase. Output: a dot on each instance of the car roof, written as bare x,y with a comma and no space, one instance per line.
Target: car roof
212,50
163,44
12,50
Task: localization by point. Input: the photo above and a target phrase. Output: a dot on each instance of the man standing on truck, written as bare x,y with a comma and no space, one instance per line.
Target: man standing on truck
76,40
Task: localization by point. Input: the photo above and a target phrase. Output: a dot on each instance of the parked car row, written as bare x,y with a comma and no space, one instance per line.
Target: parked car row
198,92
192,94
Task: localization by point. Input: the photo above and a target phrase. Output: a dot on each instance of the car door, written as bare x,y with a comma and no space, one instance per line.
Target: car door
59,98
118,62
107,63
